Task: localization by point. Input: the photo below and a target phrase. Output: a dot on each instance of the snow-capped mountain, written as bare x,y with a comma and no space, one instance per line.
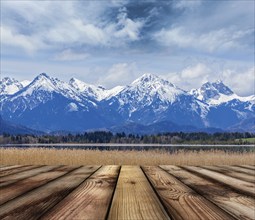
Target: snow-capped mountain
95,92
9,86
151,99
217,93
49,104
225,107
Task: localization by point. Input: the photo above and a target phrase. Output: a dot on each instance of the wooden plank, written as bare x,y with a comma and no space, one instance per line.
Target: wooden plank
9,167
240,169
251,167
90,200
181,201
17,170
237,184
229,172
36,202
134,198
10,179
20,187
236,204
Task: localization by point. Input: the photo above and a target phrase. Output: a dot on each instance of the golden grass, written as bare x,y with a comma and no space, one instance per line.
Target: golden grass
48,156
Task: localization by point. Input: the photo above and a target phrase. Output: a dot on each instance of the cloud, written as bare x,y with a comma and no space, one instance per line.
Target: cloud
152,36
184,4
241,82
75,32
192,77
213,41
11,38
119,74
69,55
128,28
74,24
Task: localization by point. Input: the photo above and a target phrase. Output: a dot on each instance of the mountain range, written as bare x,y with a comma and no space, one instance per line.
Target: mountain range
150,103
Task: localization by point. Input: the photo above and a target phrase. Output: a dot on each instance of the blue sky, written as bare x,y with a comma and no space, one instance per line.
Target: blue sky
113,42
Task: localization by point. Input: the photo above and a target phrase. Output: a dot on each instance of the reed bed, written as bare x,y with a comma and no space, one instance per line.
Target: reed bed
48,156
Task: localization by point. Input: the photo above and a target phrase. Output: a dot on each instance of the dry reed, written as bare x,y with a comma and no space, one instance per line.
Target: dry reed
48,156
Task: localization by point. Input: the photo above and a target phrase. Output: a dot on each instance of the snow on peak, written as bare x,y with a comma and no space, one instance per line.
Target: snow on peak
25,83
80,85
148,89
87,89
46,85
149,78
216,93
9,86
97,92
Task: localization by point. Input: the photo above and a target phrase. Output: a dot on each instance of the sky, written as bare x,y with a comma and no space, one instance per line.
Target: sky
113,42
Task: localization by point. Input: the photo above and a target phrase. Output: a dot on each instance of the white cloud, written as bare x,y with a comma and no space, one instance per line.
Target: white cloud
242,83
192,77
213,41
11,38
128,28
119,74
73,23
183,4
69,55
196,71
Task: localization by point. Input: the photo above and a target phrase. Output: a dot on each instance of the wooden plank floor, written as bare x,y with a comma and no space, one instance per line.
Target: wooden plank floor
127,192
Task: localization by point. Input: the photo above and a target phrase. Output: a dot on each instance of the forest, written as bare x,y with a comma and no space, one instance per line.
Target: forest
122,138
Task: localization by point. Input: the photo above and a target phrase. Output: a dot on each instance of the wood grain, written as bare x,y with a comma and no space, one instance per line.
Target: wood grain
20,187
91,192
232,173
8,167
237,184
16,170
181,201
134,198
90,200
36,202
236,204
10,179
250,167
240,169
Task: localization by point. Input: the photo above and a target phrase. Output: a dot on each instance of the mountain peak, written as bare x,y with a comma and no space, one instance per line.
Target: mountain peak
9,86
222,88
147,77
9,80
43,75
212,91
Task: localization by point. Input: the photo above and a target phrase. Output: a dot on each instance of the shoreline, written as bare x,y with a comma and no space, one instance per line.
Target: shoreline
125,145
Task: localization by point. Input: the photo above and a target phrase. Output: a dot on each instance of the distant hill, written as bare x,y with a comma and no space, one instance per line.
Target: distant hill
11,128
160,127
247,125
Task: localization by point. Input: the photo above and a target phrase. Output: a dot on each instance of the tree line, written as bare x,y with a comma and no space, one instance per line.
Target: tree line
109,137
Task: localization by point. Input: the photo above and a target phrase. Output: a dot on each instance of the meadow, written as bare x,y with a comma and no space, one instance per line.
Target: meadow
53,156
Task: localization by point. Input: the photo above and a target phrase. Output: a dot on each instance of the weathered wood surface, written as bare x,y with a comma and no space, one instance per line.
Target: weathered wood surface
240,169
9,167
127,192
236,204
248,167
37,202
134,198
20,187
181,201
14,170
90,200
235,183
236,173
10,179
